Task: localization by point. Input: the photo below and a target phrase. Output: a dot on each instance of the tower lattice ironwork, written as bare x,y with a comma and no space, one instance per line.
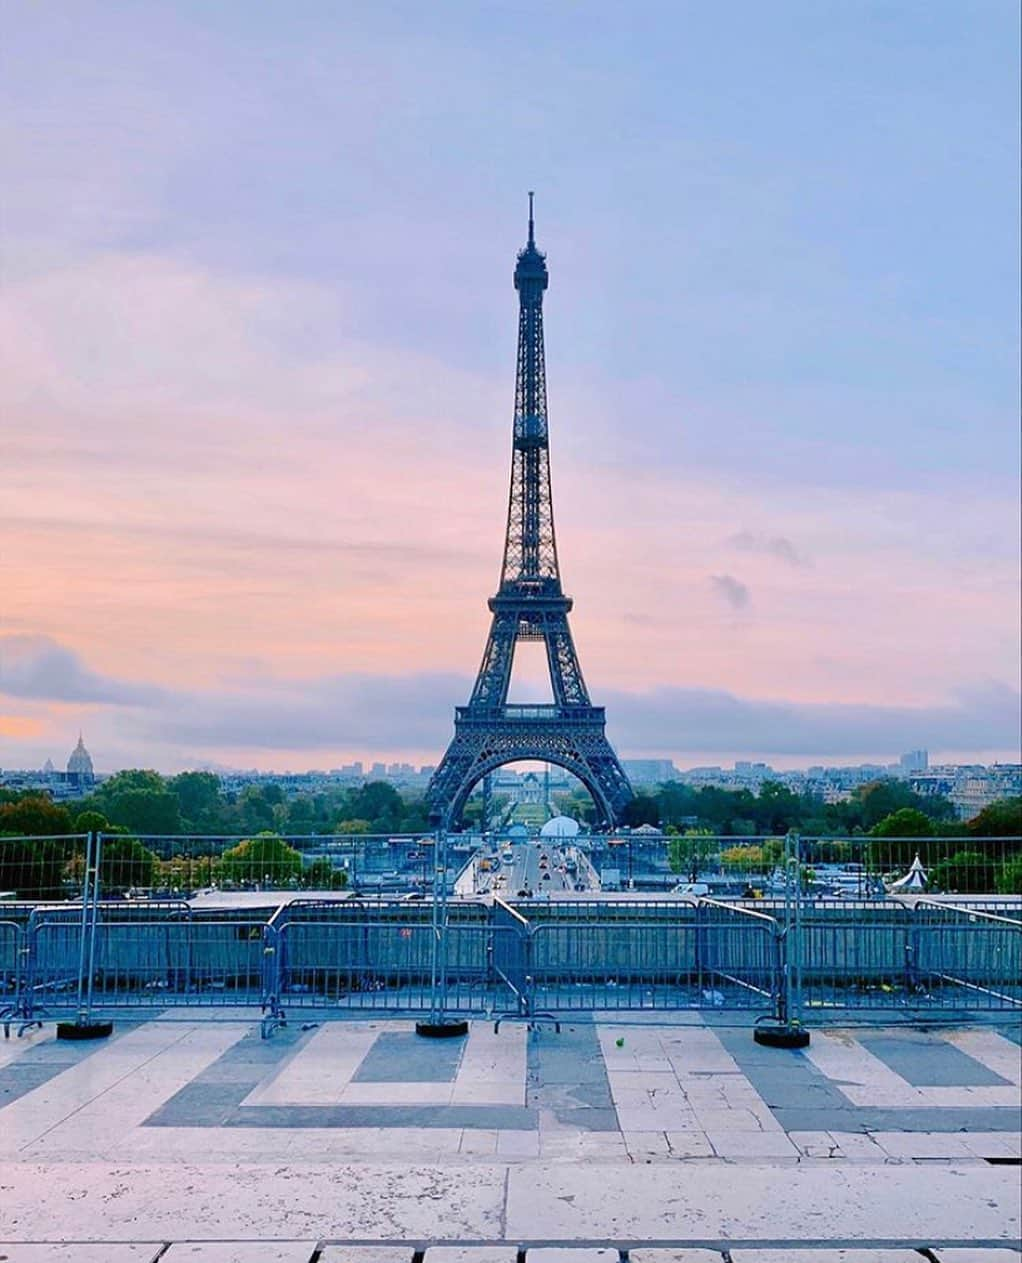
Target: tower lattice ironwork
529,605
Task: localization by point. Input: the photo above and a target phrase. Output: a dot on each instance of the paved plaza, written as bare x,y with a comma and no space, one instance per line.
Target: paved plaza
358,1142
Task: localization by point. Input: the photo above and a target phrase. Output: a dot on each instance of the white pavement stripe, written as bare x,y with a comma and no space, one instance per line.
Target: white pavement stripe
493,1067
12,1048
125,1081
321,1070
1002,1056
680,1080
860,1076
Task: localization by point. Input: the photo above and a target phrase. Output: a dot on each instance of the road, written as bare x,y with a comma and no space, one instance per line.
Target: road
536,867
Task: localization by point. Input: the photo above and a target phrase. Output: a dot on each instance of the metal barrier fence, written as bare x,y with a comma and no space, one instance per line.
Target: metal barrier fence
275,954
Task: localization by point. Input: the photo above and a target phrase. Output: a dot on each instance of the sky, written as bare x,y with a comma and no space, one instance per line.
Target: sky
257,343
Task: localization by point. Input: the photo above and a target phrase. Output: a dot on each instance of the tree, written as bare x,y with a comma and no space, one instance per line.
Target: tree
906,822
352,826
744,859
132,778
966,872
264,859
688,854
642,809
1009,879
35,815
199,796
1002,819
125,862
91,822
873,802
34,868
322,875
152,811
778,809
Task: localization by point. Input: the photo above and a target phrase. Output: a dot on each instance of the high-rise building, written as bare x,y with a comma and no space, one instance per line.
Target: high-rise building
914,761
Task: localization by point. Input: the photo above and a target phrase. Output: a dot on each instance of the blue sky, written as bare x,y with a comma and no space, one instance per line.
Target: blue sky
258,267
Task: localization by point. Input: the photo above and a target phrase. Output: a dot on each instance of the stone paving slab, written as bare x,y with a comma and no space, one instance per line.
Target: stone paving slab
977,1256
240,1252
471,1254
103,1252
250,1201
827,1256
365,1254
838,1203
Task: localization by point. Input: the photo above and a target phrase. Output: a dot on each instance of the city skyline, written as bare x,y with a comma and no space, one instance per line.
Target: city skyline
260,379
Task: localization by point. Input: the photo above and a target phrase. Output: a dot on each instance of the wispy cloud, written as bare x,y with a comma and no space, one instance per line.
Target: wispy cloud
37,668
731,590
778,546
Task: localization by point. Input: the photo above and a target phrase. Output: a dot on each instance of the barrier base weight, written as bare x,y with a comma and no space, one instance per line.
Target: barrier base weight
441,1030
780,1036
84,1030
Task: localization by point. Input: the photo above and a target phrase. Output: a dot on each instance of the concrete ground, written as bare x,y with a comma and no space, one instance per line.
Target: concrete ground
357,1142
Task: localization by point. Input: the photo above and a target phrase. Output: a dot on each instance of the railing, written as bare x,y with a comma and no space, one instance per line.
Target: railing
276,952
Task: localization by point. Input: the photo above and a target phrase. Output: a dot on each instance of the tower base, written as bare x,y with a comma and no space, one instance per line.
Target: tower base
571,737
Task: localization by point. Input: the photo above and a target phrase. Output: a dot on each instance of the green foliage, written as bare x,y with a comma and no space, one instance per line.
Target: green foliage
91,822
1002,819
322,875
131,778
266,858
689,853
906,822
35,868
882,798
966,872
1009,879
145,810
35,815
744,859
643,809
198,794
125,862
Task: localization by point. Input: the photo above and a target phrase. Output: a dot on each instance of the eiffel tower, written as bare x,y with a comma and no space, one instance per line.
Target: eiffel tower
530,605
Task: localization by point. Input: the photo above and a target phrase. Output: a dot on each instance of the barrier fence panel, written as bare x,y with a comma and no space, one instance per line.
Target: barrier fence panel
359,956
854,955
165,956
12,965
511,956
649,955
52,976
42,869
213,870
964,957
147,924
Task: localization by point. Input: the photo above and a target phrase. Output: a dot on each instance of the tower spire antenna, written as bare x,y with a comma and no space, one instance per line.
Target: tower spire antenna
532,226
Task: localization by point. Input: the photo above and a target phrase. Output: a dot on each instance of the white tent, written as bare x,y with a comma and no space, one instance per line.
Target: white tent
914,880
560,827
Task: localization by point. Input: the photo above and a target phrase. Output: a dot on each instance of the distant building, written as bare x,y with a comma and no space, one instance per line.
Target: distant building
649,771
79,765
914,761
